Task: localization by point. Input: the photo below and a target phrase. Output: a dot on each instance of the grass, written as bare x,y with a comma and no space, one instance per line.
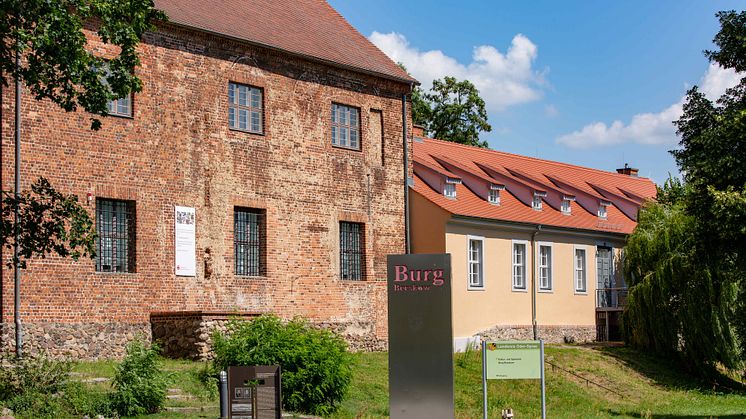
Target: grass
648,387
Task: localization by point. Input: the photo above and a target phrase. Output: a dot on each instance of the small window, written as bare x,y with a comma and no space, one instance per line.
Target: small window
493,197
580,272
519,266
249,241
449,190
545,267
121,106
602,210
476,258
245,108
566,207
537,202
351,251
115,244
345,126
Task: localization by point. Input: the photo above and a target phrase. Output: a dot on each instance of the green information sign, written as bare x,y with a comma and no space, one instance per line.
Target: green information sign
513,360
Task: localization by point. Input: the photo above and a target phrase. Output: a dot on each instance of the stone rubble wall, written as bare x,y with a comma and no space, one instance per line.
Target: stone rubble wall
550,334
90,341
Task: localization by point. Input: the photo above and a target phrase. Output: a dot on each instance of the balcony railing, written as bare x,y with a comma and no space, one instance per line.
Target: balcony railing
611,297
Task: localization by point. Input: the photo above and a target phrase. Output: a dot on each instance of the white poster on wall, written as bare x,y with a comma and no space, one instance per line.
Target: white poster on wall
185,263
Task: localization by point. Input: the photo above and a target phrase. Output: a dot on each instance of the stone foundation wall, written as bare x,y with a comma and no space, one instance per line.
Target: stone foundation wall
89,341
550,334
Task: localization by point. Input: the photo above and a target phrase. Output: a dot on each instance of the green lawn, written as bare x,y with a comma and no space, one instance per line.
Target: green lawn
648,387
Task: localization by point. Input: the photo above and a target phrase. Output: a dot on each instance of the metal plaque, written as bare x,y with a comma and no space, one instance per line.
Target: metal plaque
420,336
513,360
254,392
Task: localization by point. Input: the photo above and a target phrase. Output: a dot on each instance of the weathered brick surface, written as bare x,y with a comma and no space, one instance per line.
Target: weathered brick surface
178,150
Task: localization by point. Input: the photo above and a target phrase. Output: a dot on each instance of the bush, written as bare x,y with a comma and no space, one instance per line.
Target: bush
31,374
316,367
139,383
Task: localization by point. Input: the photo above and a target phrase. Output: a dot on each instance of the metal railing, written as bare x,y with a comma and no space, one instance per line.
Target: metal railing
611,297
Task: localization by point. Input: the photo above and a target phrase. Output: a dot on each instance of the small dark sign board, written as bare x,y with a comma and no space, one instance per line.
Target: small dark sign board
254,392
420,337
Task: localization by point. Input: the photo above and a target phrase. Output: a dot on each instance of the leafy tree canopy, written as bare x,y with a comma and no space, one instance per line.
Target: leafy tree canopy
686,260
55,63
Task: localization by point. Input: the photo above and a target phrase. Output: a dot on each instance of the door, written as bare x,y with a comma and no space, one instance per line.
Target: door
605,276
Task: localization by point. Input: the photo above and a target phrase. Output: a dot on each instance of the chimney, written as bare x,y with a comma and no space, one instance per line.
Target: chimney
418,130
626,170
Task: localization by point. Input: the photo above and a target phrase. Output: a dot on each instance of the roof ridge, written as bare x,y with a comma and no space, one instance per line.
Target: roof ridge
575,166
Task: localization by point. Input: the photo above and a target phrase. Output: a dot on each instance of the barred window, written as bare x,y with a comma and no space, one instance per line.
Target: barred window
351,251
115,244
245,108
249,241
345,126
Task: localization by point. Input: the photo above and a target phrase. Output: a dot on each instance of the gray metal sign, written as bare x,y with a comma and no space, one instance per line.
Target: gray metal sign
254,392
420,336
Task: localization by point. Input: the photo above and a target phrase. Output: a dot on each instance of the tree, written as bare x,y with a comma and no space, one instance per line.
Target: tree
456,112
55,63
686,260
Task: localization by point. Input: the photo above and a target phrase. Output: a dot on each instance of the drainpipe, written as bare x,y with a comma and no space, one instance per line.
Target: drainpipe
534,323
405,160
16,215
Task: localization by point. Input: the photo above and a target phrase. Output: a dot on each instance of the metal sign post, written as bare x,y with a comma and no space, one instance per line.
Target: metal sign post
513,360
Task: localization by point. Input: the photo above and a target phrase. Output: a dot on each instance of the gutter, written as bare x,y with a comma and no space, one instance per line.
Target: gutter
534,323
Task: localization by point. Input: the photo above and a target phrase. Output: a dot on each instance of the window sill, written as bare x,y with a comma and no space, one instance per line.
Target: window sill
261,134
581,292
340,147
519,290
121,116
255,277
546,291
114,273
354,281
482,288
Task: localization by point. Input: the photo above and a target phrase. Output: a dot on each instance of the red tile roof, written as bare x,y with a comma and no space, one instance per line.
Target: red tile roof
588,186
309,28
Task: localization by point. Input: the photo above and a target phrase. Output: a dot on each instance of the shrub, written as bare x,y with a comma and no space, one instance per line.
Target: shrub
316,367
31,374
139,383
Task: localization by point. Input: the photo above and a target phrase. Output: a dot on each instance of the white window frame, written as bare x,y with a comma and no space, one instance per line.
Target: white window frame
537,204
346,126
566,206
479,263
602,211
539,266
493,196
250,108
449,190
513,265
575,270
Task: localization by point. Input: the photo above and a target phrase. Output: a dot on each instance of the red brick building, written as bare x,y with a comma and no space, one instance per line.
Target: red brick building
280,125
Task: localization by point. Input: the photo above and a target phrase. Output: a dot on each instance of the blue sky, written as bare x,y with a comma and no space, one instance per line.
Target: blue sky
588,83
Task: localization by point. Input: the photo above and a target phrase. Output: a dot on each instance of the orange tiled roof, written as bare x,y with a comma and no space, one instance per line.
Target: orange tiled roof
310,28
520,174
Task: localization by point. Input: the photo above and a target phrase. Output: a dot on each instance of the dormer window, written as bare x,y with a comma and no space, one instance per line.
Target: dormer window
566,206
449,188
537,204
602,209
493,195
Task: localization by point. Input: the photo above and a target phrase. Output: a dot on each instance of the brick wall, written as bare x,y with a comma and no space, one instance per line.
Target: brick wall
177,150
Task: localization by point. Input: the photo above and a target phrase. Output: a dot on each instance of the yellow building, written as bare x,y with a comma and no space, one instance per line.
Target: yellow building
535,245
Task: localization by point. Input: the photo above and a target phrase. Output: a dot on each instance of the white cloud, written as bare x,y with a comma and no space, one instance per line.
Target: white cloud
649,128
502,79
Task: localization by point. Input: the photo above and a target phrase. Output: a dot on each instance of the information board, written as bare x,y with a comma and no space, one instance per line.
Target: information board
513,360
185,254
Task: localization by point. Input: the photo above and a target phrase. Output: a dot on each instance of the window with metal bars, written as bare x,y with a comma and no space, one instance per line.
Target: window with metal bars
351,251
249,241
115,244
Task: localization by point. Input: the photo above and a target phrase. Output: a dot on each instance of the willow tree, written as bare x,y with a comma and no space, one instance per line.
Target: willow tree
686,260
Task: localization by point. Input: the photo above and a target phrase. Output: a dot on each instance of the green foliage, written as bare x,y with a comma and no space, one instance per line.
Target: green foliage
457,112
139,383
56,64
49,222
31,374
686,261
316,367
